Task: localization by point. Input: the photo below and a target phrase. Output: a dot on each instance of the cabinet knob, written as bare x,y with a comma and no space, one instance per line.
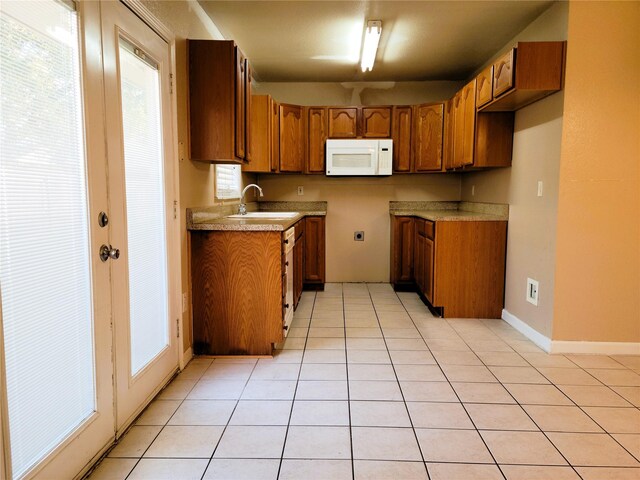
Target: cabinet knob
286,305
286,264
286,327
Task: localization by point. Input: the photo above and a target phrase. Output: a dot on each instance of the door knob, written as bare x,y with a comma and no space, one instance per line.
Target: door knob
107,252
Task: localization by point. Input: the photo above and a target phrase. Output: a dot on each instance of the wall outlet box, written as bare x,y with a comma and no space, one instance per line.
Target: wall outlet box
358,236
300,190
532,291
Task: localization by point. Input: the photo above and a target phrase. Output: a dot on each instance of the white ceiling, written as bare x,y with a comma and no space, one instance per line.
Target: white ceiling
302,41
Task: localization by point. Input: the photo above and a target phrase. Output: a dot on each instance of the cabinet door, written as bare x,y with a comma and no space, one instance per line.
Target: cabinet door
428,122
428,268
291,138
260,127
376,122
402,250
484,85
469,113
314,253
298,269
458,131
503,73
401,133
274,117
449,135
418,261
247,111
343,122
240,107
317,135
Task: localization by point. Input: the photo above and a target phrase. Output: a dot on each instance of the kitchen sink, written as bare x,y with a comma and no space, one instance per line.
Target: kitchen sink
269,215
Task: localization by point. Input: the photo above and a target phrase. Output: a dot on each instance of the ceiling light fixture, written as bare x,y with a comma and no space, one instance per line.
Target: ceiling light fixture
370,48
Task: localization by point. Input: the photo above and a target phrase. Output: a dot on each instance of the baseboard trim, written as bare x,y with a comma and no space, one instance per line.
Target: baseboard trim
536,337
570,346
596,348
186,357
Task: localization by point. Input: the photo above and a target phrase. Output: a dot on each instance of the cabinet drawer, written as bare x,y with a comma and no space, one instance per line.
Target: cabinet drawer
429,229
503,73
420,226
484,84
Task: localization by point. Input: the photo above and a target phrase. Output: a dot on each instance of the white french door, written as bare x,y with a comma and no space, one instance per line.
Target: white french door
55,335
145,278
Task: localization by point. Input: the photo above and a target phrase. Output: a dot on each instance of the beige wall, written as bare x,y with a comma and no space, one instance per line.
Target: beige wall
598,242
359,204
532,219
186,19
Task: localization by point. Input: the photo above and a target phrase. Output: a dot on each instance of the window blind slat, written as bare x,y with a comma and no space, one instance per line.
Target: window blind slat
228,181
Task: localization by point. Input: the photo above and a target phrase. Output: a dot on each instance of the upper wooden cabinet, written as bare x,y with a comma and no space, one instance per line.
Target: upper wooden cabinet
343,122
316,138
219,102
292,138
375,122
526,73
484,86
265,135
401,126
448,140
428,121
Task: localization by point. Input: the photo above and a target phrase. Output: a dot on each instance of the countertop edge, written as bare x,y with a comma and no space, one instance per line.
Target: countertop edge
222,224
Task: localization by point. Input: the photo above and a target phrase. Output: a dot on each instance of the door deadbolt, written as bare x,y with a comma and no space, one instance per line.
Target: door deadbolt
103,219
107,252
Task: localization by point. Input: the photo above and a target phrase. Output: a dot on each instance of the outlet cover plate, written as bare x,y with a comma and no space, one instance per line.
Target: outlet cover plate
532,291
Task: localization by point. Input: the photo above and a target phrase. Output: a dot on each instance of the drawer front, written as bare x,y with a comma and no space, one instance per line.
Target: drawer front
429,229
484,87
504,73
420,226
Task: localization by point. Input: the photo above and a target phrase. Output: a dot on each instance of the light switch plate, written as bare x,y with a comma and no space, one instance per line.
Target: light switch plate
300,190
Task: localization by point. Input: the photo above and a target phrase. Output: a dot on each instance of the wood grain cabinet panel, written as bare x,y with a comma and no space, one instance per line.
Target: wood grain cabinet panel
343,122
376,122
275,135
503,73
428,130
469,113
316,139
401,126
402,239
298,259
484,85
219,102
262,136
237,292
449,135
314,252
292,138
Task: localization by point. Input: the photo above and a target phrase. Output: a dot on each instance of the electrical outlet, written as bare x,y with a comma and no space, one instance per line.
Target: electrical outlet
300,190
532,291
539,188
473,190
358,236
184,302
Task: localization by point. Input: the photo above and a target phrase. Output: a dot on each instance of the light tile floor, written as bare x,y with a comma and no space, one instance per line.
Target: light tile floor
370,385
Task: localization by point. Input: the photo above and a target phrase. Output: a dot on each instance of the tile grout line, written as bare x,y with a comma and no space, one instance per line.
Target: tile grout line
384,339
346,366
295,390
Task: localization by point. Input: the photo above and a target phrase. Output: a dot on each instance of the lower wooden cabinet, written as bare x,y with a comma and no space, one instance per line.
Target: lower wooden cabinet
314,252
458,266
298,263
237,292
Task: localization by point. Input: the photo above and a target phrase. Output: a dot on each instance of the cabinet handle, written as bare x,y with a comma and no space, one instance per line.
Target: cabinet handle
286,305
286,242
286,264
286,327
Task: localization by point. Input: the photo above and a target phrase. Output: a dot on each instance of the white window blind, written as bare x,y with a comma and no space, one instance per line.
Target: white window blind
45,276
228,181
144,179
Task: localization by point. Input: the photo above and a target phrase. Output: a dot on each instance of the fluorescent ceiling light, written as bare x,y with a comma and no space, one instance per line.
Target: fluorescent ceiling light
370,48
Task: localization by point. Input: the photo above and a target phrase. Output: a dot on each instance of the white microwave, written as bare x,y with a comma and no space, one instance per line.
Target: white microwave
359,157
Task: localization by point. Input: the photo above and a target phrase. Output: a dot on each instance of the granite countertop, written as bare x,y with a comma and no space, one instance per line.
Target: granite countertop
216,218
451,211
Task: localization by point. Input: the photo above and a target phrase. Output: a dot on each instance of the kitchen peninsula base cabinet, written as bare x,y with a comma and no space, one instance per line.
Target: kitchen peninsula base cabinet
237,282
314,253
458,266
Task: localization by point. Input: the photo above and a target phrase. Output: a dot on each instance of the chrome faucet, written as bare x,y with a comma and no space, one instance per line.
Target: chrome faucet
242,208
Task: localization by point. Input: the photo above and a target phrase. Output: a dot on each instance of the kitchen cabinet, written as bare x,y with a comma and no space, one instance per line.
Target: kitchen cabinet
401,127
292,138
458,266
219,102
343,122
314,252
265,136
526,73
375,122
402,239
237,288
484,86
298,255
318,126
448,137
428,131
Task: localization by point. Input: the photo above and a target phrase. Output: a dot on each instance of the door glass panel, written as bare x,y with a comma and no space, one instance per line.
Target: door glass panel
45,274
145,200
